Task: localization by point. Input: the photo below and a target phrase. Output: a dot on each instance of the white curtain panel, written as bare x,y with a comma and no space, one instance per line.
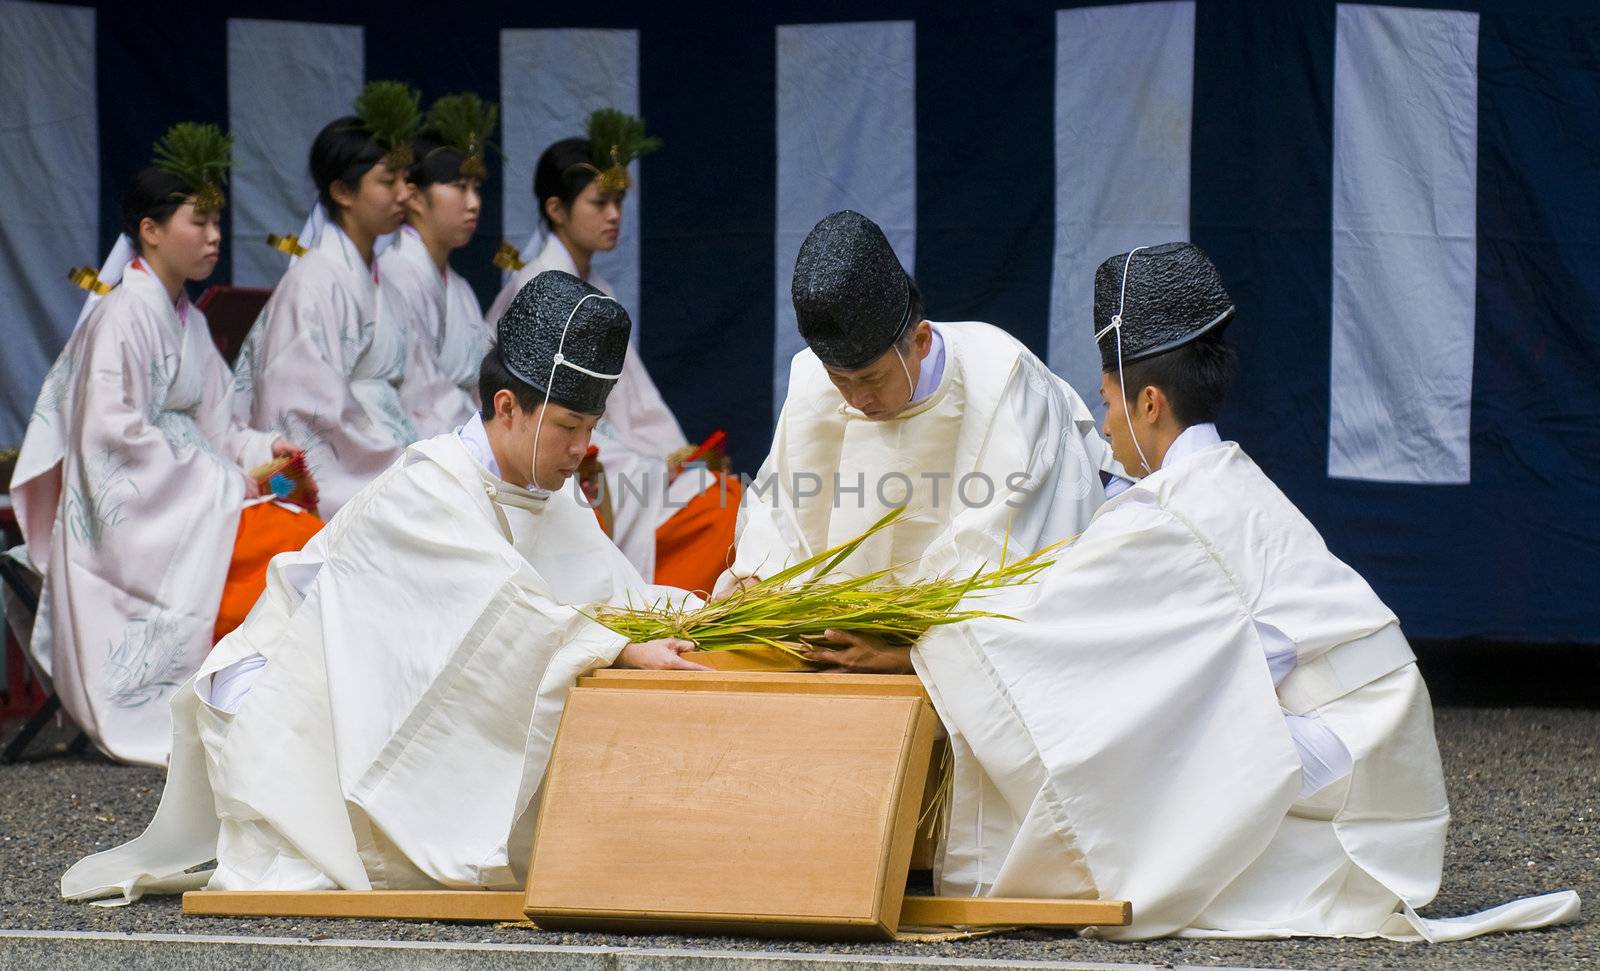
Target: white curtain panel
1124,109
1405,185
847,139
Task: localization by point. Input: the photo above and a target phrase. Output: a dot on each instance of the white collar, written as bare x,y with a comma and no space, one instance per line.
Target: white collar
338,246
476,440
1193,439
932,367
408,243
140,279
555,256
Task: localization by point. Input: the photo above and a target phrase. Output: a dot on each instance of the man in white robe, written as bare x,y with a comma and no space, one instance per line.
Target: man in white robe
1199,708
407,670
636,437
990,451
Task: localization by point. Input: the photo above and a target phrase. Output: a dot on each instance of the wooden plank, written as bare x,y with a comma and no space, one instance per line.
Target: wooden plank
689,806
756,659
808,682
1013,912
496,906
463,905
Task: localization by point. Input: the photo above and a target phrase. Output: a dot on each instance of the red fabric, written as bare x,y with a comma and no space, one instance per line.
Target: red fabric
265,530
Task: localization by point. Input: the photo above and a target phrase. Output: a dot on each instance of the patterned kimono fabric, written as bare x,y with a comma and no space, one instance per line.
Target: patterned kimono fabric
129,491
323,367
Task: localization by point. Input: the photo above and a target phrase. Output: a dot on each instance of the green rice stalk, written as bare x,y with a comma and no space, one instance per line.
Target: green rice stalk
790,610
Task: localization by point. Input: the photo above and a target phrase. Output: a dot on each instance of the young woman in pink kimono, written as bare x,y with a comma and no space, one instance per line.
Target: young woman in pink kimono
133,471
445,334
324,362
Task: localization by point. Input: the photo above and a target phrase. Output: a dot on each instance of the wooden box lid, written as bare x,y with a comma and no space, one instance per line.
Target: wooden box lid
705,801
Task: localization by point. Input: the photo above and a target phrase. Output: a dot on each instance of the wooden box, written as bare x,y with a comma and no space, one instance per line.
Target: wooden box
734,802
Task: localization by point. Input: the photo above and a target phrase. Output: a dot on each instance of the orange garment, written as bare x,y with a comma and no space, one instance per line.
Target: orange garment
265,530
693,546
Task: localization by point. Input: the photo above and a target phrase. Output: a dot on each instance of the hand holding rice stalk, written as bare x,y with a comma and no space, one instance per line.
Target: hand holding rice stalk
790,616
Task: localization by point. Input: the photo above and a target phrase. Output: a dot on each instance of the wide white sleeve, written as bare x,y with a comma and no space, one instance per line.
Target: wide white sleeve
1046,486
312,336
767,539
1048,712
215,414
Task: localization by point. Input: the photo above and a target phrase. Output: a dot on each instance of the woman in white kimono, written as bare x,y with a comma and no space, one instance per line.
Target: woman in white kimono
446,335
133,470
324,363
581,184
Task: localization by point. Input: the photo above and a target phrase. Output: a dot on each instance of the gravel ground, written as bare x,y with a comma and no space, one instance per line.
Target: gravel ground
1524,786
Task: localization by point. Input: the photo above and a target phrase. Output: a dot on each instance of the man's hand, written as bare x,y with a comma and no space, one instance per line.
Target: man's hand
283,448
862,654
660,655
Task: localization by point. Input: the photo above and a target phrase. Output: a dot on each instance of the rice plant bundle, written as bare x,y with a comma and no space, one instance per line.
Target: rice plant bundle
789,611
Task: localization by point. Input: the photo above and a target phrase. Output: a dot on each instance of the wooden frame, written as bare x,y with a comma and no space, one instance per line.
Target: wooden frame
605,791
795,814
506,906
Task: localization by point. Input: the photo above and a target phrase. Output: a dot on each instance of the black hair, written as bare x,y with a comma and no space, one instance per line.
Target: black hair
494,376
342,152
436,163
914,311
153,194
1195,378
564,171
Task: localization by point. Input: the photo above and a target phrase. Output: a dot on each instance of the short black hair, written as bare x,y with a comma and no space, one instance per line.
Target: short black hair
564,171
1195,378
153,194
436,163
913,315
494,376
342,152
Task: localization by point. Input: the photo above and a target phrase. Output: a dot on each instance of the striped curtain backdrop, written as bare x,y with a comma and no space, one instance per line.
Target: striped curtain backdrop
1400,198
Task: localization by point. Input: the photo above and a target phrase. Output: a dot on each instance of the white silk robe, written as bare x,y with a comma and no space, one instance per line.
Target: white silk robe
418,653
1123,738
1002,455
128,491
445,335
323,366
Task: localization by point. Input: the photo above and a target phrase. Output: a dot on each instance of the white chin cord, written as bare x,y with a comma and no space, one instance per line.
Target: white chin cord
560,360
911,386
1116,325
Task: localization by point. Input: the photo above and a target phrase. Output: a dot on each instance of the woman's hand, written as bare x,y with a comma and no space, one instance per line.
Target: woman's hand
283,448
659,655
862,654
252,488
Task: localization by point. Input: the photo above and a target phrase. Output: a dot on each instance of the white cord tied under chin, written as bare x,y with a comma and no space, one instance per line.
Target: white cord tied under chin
1116,326
557,361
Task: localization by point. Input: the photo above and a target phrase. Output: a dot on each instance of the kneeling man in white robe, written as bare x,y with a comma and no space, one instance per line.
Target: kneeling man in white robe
1201,710
958,422
384,716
